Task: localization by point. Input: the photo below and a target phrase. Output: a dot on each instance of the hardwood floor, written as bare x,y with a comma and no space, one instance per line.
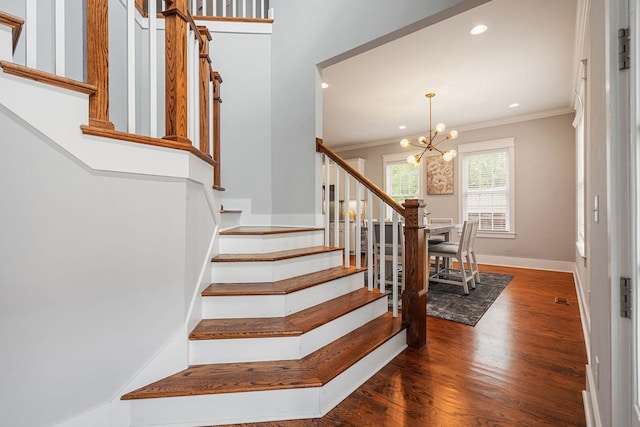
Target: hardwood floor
523,364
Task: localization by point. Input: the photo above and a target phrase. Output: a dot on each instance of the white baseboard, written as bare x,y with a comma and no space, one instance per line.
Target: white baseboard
585,315
533,263
589,396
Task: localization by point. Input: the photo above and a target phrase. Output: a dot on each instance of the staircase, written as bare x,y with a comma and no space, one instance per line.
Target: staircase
287,333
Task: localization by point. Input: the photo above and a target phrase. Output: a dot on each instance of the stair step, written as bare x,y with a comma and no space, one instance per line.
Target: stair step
265,230
279,298
314,370
293,325
263,239
280,287
275,256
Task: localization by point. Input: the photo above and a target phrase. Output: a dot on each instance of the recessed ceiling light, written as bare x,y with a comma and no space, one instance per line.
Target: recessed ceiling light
478,29
514,105
325,85
402,127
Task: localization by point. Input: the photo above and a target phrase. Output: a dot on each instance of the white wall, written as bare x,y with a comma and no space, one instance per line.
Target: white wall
97,270
544,180
309,33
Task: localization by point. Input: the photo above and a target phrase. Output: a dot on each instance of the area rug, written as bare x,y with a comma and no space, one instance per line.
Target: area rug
449,302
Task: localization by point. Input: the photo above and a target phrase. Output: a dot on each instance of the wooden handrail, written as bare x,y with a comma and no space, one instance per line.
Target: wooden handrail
414,297
16,26
321,148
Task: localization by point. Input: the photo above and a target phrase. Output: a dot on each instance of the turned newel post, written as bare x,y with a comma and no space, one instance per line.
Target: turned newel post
98,62
414,297
176,71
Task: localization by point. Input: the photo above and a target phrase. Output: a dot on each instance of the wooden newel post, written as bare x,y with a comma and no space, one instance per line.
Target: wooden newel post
98,62
217,100
205,79
414,297
176,22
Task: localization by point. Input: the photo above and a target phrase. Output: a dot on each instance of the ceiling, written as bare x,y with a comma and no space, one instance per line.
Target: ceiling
526,56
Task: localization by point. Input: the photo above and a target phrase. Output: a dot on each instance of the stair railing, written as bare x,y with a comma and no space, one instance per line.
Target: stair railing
192,87
252,10
414,301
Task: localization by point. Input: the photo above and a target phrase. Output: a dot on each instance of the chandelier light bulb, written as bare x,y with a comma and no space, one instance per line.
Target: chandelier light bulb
422,140
453,134
447,157
404,143
411,159
440,127
453,153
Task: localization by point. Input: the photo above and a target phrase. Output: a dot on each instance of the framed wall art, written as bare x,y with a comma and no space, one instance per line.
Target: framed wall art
439,175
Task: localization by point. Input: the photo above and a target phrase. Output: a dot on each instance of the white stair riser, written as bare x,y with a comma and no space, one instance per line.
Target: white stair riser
252,306
249,244
282,348
232,272
263,406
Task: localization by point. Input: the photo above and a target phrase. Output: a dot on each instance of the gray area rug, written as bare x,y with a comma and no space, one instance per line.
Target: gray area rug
449,302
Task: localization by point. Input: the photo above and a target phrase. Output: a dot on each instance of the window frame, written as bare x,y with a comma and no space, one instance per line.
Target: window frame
395,158
472,148
580,136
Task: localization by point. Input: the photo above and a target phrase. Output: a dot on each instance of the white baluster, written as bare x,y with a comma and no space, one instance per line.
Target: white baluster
394,263
153,69
60,38
347,222
234,8
131,66
31,32
336,206
327,204
253,14
369,240
224,7
358,235
210,116
383,265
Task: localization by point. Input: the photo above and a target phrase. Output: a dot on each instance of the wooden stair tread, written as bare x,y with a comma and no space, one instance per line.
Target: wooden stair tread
313,370
264,230
274,256
280,287
293,325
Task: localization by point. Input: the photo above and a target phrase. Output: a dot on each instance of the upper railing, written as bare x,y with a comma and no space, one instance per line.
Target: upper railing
219,9
413,297
155,86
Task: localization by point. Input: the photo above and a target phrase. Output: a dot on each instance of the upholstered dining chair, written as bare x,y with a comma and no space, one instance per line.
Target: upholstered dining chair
439,238
472,260
459,252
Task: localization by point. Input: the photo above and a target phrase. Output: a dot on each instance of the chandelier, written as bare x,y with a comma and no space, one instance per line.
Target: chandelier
429,144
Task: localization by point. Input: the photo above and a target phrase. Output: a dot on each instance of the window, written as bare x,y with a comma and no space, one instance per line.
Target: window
487,186
402,180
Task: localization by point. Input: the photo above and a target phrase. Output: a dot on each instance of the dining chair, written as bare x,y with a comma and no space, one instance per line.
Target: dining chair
459,252
438,238
386,255
472,260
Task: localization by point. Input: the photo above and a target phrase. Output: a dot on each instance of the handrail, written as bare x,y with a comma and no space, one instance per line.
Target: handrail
321,148
414,266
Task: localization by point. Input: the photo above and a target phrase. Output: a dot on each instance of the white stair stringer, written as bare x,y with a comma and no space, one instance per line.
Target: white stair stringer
252,306
261,243
272,271
263,406
284,347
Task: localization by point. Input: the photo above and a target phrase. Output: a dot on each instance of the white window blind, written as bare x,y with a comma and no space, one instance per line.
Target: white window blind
402,180
487,177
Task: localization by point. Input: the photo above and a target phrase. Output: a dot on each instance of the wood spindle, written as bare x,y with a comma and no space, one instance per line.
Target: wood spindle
98,62
414,297
176,99
217,100
205,78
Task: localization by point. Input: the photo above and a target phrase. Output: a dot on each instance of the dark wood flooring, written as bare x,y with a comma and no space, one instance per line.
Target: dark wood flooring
523,364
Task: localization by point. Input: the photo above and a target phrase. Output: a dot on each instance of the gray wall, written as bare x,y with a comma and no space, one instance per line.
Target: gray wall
320,32
97,271
544,180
